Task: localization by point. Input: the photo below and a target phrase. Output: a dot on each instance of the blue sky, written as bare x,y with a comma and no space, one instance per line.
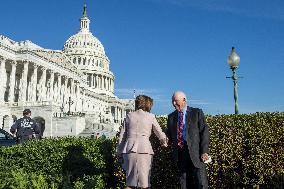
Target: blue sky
159,46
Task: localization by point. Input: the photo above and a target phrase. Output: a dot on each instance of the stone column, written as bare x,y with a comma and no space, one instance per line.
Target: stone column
118,111
111,85
119,115
77,97
107,83
59,88
51,84
67,90
101,81
3,79
34,84
41,86
64,96
72,89
94,80
12,81
90,80
115,114
24,82
123,114
83,99
120,118
44,95
109,79
97,81
104,82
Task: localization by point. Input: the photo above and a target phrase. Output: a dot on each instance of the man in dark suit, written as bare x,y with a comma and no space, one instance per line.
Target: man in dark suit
189,138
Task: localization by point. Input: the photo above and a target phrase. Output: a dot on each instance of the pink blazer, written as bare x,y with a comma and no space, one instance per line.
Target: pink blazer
135,133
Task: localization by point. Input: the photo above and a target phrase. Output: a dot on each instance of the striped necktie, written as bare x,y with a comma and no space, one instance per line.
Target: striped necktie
180,129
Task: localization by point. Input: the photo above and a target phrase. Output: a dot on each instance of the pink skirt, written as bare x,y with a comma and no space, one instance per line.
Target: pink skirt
138,169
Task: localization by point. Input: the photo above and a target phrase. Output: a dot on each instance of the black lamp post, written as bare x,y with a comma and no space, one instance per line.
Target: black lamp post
70,102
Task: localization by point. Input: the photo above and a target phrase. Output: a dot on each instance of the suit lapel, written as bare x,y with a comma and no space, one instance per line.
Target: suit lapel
188,124
188,116
175,121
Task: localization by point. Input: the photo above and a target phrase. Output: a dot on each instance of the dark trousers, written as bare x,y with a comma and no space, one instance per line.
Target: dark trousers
25,138
191,177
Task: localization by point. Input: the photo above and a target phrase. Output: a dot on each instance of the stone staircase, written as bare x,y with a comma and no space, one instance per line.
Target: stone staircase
98,130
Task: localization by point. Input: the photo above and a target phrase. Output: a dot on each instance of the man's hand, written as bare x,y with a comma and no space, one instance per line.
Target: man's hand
204,157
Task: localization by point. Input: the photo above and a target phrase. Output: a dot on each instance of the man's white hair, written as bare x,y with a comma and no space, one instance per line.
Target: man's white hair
180,94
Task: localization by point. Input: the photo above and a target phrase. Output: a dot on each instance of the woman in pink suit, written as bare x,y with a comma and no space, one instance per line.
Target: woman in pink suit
134,145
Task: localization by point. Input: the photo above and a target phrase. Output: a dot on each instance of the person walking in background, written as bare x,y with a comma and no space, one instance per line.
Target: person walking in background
134,146
189,137
25,127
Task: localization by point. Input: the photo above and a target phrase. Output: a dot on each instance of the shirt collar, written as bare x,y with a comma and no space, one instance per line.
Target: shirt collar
184,110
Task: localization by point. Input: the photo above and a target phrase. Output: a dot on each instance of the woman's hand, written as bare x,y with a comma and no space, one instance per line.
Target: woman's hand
164,142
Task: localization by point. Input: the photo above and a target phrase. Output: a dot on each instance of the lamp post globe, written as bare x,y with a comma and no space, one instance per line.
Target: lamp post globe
234,61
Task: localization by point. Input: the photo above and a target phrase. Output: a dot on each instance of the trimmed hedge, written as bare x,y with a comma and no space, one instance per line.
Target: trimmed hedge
57,163
247,152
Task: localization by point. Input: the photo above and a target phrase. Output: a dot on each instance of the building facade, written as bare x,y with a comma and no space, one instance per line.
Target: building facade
70,91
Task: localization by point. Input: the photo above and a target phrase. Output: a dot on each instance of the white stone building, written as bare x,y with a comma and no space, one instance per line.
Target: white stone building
70,90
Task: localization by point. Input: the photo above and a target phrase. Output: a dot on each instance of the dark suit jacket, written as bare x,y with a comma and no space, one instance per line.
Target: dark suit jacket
197,134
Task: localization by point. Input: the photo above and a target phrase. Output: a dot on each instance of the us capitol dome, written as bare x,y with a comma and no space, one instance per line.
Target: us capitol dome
70,91
88,54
